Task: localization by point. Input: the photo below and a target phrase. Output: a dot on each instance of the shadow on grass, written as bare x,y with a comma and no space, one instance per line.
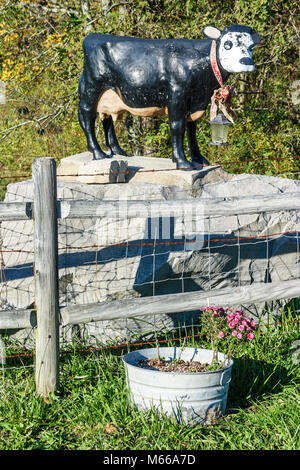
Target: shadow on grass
253,379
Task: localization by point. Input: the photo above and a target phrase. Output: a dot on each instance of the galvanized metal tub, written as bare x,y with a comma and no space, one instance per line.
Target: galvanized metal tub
192,398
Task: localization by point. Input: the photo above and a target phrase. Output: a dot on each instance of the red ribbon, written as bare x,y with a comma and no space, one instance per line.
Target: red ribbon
222,96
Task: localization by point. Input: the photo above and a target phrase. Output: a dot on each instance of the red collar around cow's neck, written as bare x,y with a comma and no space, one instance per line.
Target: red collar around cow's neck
221,95
213,61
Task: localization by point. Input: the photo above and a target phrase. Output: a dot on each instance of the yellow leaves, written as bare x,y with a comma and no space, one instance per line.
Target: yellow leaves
9,62
7,69
3,28
6,74
10,37
54,39
13,70
36,69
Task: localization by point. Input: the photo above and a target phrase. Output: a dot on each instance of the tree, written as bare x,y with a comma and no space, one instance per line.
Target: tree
41,62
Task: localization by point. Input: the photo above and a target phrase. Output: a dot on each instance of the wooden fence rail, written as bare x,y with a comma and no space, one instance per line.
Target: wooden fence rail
184,302
15,211
17,319
202,207
74,209
47,314
160,304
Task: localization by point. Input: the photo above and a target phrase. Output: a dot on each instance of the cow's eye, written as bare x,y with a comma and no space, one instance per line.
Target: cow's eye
227,45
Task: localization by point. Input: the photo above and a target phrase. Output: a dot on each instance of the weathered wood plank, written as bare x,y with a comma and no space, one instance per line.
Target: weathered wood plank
165,304
15,211
17,319
131,209
46,275
14,319
196,207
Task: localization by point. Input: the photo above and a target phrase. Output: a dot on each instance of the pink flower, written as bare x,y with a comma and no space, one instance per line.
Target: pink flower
241,327
234,333
231,324
239,335
250,336
230,317
221,334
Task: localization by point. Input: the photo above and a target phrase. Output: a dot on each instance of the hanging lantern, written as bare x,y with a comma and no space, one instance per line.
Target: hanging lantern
219,130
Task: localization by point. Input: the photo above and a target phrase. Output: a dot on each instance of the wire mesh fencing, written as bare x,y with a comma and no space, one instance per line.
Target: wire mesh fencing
149,249
112,258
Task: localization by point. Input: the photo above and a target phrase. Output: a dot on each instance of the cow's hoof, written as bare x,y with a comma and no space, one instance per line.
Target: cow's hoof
184,165
197,166
199,162
99,155
120,152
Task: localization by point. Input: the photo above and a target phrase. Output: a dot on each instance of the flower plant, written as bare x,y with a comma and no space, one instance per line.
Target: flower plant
226,328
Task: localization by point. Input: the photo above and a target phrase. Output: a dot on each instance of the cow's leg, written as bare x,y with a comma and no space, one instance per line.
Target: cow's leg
195,154
111,139
176,112
87,113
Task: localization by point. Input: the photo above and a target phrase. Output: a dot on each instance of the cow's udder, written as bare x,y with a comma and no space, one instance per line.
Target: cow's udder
110,104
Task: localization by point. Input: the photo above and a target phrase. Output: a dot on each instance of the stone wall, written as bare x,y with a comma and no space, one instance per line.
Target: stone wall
92,267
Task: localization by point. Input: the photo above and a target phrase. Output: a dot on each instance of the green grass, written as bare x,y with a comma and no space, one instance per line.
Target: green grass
262,411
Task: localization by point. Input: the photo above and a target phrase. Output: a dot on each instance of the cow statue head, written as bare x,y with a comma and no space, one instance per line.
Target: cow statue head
235,46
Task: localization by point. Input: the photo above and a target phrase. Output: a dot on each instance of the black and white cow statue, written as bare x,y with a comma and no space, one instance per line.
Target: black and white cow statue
150,77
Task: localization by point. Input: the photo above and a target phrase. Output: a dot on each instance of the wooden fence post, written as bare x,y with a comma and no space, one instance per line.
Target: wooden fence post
46,275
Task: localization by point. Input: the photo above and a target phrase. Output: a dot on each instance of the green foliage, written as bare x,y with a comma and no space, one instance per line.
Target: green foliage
91,410
41,61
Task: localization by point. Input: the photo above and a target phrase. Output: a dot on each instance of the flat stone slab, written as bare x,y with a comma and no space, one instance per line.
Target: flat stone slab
82,168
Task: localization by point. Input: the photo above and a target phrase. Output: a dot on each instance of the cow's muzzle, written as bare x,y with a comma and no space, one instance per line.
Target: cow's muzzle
246,61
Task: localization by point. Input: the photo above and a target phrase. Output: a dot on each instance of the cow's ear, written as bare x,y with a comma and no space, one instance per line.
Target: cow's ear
212,32
256,38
